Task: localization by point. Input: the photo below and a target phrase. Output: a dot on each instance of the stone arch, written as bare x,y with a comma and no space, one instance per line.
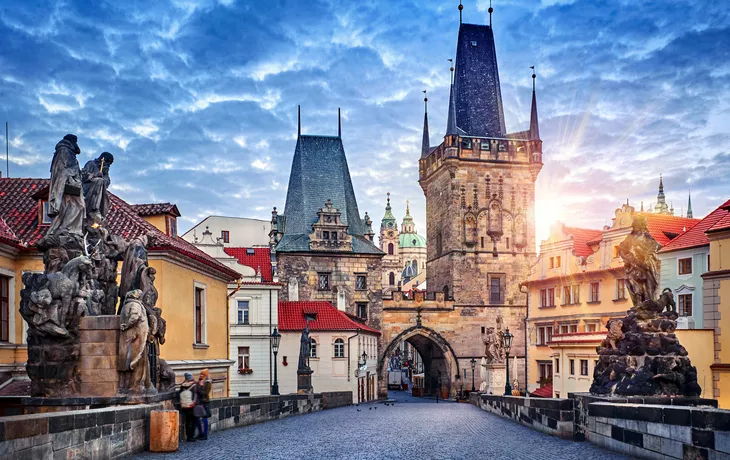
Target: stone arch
440,356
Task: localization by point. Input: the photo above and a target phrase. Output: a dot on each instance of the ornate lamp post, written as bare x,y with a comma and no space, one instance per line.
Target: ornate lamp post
473,363
364,359
275,337
507,343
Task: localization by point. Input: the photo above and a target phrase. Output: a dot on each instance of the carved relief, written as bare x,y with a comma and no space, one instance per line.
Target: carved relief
329,233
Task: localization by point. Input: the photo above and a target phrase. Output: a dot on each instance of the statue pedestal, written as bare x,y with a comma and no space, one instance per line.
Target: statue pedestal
495,375
97,366
304,381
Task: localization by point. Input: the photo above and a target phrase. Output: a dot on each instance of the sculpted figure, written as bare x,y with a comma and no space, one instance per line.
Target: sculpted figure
666,301
111,251
134,377
135,260
614,334
96,181
305,347
638,251
65,203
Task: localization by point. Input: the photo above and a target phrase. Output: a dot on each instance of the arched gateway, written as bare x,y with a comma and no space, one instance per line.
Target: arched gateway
440,365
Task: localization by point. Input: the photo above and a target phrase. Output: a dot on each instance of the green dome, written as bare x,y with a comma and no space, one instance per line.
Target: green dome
411,240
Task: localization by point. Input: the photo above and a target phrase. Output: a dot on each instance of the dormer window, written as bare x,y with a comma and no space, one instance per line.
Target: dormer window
172,226
250,252
473,43
485,145
43,217
466,144
326,235
334,236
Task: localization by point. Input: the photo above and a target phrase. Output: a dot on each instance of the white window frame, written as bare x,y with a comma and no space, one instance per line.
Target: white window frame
203,315
598,291
691,266
245,355
314,349
692,301
334,347
247,309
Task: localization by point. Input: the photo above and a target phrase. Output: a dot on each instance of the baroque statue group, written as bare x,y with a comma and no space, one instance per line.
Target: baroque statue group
81,256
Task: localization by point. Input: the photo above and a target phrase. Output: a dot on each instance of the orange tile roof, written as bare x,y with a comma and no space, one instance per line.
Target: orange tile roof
581,238
544,392
260,259
695,236
328,318
665,228
19,211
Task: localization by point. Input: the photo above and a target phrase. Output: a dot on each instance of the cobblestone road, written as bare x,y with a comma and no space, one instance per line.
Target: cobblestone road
412,428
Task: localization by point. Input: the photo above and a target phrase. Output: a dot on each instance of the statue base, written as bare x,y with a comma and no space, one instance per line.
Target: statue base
304,381
97,366
494,379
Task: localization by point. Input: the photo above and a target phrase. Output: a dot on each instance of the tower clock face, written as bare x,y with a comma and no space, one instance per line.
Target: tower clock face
390,234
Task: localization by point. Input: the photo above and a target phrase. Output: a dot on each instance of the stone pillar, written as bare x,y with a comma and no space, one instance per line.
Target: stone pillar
99,338
495,379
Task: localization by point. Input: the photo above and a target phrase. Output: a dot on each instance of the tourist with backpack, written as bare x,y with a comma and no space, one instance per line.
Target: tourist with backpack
202,409
187,396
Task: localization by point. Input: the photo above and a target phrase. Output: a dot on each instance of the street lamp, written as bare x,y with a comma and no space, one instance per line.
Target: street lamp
473,363
364,359
507,343
275,337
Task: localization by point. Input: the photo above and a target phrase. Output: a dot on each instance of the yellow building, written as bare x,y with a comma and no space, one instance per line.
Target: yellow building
192,286
716,305
576,286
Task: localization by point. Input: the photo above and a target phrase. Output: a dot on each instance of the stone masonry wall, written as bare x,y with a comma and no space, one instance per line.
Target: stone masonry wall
120,431
654,431
99,338
549,416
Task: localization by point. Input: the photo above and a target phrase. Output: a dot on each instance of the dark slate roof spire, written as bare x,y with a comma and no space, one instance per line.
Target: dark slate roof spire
299,120
319,172
534,126
425,144
451,120
689,206
339,124
477,92
491,10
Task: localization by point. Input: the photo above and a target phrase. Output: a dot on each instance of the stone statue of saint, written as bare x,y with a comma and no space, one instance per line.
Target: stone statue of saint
65,203
95,176
638,250
134,375
493,349
305,348
135,260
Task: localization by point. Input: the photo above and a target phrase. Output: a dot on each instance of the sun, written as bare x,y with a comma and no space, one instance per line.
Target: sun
547,211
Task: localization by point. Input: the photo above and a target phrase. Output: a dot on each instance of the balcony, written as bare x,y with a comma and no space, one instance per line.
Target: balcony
579,339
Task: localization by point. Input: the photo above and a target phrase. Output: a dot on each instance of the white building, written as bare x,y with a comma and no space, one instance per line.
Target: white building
253,312
237,232
339,342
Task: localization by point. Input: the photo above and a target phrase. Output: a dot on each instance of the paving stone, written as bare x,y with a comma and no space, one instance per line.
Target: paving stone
412,428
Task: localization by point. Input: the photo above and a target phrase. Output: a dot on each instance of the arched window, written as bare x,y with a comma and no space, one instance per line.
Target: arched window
339,348
391,278
446,292
414,264
313,349
390,249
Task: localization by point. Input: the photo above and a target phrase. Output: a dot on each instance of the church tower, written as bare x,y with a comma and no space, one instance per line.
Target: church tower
479,185
661,206
389,245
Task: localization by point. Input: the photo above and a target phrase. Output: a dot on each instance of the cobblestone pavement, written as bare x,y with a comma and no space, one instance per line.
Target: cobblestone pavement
412,428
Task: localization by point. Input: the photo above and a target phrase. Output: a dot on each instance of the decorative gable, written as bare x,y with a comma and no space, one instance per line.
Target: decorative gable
329,233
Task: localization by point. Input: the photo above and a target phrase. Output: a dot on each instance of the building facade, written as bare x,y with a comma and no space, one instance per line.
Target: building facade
323,248
237,232
338,343
577,286
716,305
404,263
191,285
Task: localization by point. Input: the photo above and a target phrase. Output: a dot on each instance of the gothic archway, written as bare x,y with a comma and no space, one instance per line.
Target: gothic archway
441,367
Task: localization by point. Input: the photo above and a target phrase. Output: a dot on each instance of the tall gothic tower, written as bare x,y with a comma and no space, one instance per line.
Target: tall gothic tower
480,185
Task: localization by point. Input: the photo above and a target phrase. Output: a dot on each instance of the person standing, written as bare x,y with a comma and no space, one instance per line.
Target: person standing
187,395
204,389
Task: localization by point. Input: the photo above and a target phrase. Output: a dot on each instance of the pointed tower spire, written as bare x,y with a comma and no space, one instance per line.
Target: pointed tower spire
661,206
425,145
339,124
299,120
534,125
388,220
689,205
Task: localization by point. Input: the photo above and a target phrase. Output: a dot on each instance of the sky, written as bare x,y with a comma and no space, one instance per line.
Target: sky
197,100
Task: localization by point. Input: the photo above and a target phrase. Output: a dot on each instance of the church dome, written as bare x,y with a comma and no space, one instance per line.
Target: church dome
409,272
411,240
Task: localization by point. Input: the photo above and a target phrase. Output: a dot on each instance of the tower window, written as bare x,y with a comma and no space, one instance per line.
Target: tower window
390,249
473,43
466,144
391,278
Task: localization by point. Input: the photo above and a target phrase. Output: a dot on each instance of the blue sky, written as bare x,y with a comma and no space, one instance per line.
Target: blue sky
197,99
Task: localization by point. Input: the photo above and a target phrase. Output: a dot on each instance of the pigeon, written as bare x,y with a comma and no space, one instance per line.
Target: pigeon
376,408
358,410
370,408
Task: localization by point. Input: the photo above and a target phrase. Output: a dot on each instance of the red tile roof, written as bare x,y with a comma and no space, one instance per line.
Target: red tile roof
665,228
154,209
581,238
260,259
695,236
19,210
544,392
328,318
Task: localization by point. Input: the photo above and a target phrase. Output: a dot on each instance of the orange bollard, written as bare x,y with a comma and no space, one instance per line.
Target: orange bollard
164,430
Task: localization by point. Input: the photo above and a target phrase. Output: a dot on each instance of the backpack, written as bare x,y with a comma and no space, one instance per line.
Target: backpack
186,398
